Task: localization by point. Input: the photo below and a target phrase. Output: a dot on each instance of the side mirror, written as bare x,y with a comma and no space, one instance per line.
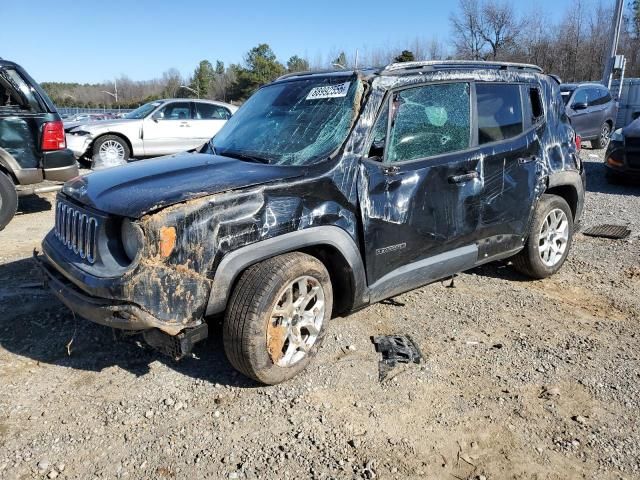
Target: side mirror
580,106
157,116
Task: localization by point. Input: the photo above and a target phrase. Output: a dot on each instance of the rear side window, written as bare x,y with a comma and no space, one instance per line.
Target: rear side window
428,121
537,109
16,95
208,111
499,112
599,96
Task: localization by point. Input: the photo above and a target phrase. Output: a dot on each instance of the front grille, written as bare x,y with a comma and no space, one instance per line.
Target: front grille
77,230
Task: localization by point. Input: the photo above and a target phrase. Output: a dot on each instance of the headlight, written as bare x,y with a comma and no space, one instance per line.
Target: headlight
79,133
132,238
617,136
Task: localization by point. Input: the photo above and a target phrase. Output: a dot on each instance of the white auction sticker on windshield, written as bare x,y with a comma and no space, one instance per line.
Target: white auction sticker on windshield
329,91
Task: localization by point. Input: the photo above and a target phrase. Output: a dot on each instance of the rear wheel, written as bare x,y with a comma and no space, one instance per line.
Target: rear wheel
603,140
277,317
549,239
110,151
8,200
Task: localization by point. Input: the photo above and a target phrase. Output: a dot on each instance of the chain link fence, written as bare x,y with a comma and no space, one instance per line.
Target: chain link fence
79,110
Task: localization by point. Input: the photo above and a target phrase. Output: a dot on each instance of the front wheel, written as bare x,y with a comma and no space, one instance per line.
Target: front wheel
109,151
8,200
549,239
277,317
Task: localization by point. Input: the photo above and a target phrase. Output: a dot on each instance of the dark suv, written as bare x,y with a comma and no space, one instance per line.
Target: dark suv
592,111
324,193
32,141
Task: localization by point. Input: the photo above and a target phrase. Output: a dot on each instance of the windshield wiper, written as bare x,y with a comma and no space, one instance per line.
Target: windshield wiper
244,156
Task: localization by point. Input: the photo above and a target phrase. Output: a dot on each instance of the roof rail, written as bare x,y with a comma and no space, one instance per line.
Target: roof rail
313,72
461,64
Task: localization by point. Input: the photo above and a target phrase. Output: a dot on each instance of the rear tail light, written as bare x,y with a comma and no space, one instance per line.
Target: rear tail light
53,136
578,142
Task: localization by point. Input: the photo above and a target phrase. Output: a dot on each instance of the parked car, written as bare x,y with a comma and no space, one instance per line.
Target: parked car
32,143
623,155
157,128
592,111
324,193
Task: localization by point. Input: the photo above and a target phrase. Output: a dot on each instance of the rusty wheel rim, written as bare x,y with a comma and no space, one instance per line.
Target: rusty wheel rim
295,321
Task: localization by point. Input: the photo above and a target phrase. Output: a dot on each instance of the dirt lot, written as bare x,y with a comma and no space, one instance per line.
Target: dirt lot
521,380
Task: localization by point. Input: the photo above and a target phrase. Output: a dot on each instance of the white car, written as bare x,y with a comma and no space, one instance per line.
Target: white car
157,128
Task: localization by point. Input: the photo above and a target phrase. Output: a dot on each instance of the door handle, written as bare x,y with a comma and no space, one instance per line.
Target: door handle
523,160
465,177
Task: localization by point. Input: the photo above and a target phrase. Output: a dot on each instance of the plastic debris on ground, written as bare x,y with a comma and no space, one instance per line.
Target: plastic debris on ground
395,349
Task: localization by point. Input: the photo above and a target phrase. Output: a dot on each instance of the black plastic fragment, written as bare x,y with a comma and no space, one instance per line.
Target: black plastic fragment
395,349
613,232
178,346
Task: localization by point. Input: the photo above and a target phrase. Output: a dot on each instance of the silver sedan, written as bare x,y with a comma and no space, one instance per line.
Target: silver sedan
157,128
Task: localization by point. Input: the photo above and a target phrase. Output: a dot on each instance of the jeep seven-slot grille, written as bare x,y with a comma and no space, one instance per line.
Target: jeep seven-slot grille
77,230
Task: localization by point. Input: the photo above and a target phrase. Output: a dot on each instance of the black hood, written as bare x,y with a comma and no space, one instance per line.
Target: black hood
141,187
633,129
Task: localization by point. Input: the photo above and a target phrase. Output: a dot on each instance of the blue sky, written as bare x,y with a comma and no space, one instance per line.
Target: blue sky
88,41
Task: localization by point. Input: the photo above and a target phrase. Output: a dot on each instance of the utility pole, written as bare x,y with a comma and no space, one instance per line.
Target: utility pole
613,44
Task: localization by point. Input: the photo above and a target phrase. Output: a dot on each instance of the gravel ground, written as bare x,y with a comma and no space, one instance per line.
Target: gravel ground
520,380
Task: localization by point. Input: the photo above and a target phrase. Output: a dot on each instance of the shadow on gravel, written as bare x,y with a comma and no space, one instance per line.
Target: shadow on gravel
500,270
33,204
597,181
34,324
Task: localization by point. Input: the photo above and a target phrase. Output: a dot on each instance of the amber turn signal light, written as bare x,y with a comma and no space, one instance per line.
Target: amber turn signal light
614,163
167,241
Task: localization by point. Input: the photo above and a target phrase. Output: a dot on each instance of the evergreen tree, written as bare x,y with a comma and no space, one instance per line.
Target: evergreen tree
405,56
297,64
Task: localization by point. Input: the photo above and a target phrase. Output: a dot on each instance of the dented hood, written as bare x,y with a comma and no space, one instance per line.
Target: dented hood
138,188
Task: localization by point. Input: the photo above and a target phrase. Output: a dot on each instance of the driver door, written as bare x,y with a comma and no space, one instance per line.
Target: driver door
420,189
169,130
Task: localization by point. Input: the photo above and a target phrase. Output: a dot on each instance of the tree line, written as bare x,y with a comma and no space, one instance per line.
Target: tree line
571,45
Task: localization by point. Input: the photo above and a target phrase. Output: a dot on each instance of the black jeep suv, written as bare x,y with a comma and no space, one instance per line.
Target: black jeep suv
32,141
324,193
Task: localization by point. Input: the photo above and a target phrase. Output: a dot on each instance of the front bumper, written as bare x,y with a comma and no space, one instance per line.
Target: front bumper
111,313
623,160
78,144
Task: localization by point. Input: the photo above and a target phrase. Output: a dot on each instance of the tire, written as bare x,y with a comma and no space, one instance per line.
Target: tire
603,139
109,151
530,260
256,341
613,178
8,200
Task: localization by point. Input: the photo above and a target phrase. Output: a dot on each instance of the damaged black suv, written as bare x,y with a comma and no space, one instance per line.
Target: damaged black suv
324,193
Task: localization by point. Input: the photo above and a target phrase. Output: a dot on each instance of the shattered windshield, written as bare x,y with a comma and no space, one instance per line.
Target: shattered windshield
292,123
143,111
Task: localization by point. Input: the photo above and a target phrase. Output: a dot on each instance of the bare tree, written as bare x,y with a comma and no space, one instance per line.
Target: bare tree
499,27
467,30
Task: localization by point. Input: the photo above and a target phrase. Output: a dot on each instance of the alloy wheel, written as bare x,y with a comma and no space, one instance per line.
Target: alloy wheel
295,321
553,237
111,151
604,135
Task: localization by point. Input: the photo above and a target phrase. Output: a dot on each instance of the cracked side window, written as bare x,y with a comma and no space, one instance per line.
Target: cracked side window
429,121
